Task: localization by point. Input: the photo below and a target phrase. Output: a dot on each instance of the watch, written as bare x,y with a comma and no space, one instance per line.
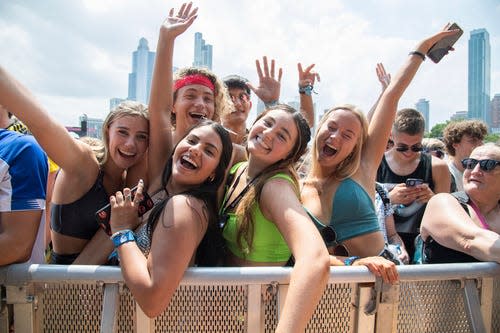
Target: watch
123,236
349,261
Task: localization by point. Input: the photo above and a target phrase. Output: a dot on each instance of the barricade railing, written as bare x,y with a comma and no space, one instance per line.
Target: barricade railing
428,298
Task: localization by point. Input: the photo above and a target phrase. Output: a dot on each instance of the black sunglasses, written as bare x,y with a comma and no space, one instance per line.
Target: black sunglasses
415,148
330,237
485,165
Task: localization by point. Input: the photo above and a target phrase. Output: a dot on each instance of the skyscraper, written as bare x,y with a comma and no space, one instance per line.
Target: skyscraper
479,75
202,52
422,106
139,81
495,114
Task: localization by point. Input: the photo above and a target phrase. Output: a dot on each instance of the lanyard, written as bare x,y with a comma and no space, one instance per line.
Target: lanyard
230,207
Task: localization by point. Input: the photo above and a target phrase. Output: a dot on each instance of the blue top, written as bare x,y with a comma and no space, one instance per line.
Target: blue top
353,212
23,172
23,181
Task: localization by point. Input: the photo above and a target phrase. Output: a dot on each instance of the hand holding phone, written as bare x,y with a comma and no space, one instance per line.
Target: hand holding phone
102,216
412,182
441,48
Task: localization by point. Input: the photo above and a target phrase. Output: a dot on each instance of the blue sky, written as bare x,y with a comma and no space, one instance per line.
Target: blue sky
75,55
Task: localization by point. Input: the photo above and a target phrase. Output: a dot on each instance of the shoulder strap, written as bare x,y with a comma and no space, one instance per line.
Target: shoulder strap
382,193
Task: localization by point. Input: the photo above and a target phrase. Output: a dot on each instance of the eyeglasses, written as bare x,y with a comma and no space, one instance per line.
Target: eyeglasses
242,98
415,148
485,165
436,152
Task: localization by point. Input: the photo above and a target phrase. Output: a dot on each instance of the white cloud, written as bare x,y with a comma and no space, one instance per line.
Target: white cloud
77,55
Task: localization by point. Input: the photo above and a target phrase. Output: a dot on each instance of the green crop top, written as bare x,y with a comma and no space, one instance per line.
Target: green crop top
268,243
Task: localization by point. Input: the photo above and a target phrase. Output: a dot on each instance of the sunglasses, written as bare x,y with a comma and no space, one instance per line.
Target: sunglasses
485,165
330,237
415,148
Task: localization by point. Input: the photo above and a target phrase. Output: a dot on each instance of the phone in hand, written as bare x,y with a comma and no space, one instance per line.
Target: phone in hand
411,182
441,48
102,215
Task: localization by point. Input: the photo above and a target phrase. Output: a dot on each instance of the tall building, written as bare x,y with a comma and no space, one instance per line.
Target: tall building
202,52
495,113
479,75
114,102
139,81
422,106
459,115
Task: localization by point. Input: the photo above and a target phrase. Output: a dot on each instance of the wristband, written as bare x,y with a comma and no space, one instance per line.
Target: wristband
123,236
349,261
417,53
306,90
271,103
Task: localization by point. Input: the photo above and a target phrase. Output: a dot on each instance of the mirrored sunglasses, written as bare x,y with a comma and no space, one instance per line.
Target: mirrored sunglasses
485,165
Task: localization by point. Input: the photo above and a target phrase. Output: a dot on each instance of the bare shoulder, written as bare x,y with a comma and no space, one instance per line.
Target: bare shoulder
183,208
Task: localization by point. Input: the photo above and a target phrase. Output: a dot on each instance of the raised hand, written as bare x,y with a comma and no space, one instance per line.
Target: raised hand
124,208
177,24
307,77
383,77
425,45
269,86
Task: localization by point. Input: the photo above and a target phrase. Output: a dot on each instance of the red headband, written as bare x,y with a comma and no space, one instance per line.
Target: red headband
194,79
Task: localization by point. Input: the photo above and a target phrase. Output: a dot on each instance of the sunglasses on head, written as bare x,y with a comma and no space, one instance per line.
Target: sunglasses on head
415,148
485,165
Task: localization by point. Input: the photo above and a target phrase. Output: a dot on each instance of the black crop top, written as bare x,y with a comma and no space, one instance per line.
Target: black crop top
77,219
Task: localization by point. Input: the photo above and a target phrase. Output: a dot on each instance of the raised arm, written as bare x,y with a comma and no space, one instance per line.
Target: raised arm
154,280
450,225
310,272
161,98
384,78
307,78
72,156
269,87
383,116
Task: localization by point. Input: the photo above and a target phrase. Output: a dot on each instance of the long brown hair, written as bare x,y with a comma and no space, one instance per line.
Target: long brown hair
252,197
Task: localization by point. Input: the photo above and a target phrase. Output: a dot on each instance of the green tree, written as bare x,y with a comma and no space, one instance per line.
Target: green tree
437,130
492,138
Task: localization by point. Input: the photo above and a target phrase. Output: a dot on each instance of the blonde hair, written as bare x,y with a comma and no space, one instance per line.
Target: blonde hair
126,108
222,100
97,146
350,164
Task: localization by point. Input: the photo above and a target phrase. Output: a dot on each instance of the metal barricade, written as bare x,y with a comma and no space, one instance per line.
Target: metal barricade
429,298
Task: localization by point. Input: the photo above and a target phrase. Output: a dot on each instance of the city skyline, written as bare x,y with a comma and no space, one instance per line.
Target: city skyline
75,63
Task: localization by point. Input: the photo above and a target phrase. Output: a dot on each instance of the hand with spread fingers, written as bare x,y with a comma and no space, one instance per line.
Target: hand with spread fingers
381,267
177,24
124,208
269,88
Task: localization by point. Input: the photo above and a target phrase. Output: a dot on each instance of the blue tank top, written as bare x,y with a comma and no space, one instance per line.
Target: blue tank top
353,212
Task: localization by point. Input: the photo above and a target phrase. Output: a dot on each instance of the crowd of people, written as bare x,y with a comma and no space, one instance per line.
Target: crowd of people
185,181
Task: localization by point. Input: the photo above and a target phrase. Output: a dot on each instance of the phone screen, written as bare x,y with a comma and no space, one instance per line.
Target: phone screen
441,48
102,215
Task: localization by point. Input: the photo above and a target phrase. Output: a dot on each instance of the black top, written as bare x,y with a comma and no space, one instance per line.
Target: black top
435,253
407,219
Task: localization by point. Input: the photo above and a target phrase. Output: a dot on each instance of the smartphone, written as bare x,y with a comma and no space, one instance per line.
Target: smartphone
410,182
102,215
441,48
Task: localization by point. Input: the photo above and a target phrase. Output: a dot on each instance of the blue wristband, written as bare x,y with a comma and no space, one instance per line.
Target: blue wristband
306,90
123,236
349,261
